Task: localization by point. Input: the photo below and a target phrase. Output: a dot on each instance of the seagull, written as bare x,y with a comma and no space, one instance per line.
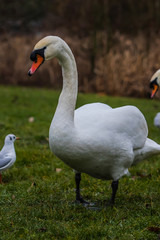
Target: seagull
7,154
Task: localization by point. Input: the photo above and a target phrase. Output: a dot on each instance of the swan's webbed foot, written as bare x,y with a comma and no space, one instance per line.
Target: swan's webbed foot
80,200
86,204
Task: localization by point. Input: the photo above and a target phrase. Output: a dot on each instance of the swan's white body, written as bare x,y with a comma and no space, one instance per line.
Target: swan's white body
94,139
103,142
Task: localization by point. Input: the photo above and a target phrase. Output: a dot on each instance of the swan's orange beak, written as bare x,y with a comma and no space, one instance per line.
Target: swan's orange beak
18,138
36,64
154,90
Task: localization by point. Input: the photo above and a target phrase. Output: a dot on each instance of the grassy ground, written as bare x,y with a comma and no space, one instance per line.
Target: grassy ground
36,201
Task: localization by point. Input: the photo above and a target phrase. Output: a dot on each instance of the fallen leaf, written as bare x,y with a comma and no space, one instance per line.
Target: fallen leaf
134,177
32,185
154,229
58,170
42,229
31,119
13,197
143,175
148,205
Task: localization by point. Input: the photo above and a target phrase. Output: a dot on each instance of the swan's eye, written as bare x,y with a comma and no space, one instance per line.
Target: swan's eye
36,52
33,56
154,86
10,138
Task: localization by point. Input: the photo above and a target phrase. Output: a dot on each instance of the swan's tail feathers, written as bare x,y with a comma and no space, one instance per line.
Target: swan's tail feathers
126,172
150,148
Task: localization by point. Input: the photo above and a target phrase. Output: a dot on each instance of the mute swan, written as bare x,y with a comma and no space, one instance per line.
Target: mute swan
94,139
7,154
155,83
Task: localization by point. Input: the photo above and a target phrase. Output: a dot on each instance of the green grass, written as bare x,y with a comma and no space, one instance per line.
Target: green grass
36,202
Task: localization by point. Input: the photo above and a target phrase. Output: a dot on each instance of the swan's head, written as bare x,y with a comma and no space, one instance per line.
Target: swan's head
45,49
155,83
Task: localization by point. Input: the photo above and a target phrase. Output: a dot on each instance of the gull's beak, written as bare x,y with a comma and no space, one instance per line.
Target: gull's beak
36,64
154,90
18,138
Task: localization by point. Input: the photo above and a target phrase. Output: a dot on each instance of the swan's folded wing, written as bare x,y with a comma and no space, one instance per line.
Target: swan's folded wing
5,161
123,124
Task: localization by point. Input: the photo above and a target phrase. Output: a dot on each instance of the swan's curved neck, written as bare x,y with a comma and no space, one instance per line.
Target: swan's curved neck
67,100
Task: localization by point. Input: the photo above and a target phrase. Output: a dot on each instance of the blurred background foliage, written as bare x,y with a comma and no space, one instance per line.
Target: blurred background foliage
107,38
81,16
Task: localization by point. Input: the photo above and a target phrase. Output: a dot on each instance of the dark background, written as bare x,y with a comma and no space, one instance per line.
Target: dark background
116,43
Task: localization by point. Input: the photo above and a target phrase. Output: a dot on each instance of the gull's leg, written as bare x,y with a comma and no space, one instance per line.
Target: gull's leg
1,178
114,190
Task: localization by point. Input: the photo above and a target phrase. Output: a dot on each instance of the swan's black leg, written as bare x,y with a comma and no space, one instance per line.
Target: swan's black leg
79,198
78,180
114,190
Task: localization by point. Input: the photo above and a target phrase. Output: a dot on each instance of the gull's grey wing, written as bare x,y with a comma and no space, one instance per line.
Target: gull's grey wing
4,161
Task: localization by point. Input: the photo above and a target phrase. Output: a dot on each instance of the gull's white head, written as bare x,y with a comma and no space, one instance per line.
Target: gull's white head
155,83
10,138
47,48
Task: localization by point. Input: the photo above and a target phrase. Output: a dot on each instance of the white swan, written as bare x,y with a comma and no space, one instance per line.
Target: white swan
155,83
94,139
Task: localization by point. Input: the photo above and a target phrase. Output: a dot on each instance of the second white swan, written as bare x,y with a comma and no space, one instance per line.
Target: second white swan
94,139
